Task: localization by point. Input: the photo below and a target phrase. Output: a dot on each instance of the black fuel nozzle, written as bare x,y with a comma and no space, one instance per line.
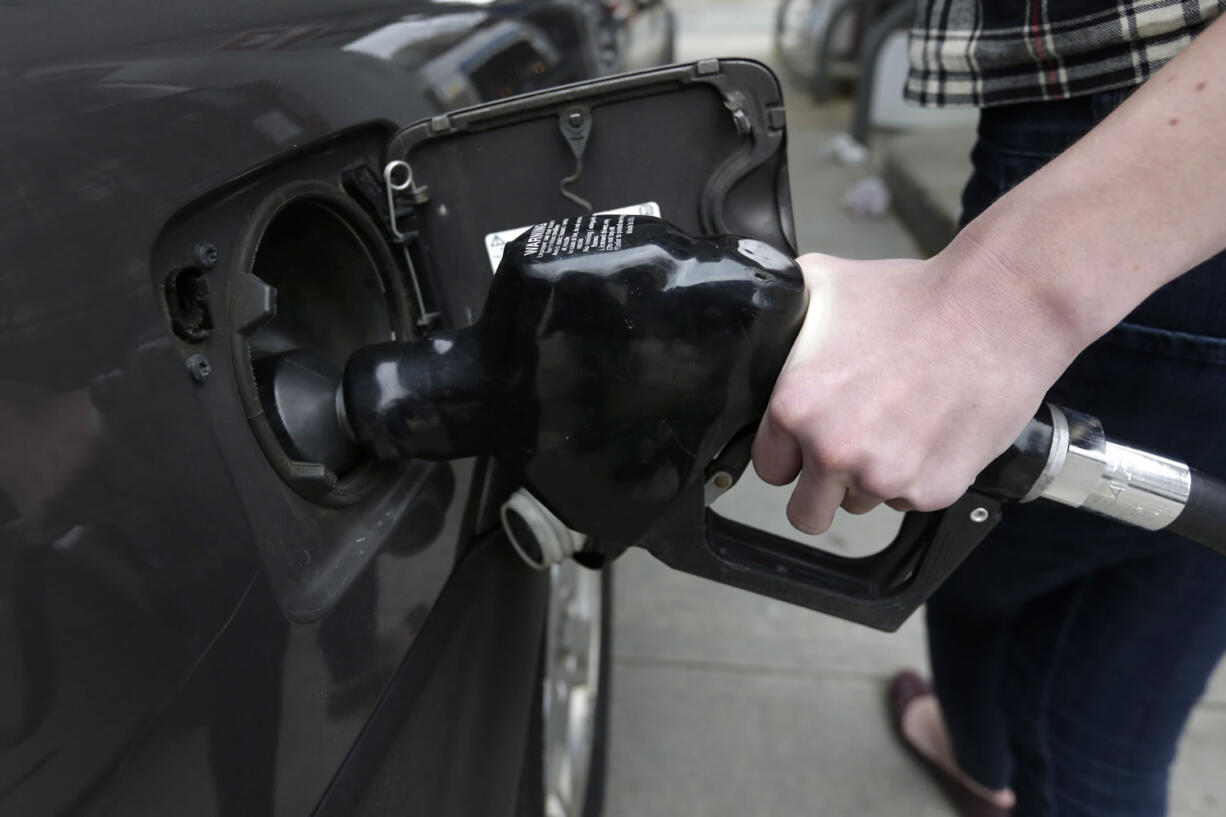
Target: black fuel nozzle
615,357
619,370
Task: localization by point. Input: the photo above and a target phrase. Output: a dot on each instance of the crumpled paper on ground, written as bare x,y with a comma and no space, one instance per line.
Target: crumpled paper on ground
868,198
845,150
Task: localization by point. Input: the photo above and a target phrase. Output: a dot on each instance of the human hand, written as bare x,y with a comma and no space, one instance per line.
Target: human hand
907,378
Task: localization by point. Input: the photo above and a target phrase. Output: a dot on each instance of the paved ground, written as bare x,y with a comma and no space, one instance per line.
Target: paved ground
726,704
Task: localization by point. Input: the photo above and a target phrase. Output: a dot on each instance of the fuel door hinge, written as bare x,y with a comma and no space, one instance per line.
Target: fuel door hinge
576,125
403,197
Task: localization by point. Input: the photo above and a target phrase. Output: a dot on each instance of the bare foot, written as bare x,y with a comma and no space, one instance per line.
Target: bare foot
924,728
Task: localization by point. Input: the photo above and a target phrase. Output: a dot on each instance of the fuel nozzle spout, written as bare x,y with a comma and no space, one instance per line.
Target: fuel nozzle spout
439,398
615,357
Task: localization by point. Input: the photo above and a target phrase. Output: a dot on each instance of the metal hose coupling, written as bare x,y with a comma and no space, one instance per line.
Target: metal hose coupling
1086,470
539,537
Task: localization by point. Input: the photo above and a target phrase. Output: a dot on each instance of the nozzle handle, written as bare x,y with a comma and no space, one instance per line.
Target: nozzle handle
880,591
1061,456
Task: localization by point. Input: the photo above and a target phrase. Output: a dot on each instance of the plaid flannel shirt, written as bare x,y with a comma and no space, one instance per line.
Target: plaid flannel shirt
994,52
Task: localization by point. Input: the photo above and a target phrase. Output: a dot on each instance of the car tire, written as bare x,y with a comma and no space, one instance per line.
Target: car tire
565,757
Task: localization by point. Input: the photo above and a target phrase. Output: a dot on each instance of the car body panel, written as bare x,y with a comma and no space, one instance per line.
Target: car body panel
150,664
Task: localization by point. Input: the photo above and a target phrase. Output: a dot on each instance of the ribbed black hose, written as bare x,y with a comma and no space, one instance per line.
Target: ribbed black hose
1203,519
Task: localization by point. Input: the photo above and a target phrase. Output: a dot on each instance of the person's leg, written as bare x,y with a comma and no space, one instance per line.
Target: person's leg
971,620
1156,388
1095,715
966,647
1070,648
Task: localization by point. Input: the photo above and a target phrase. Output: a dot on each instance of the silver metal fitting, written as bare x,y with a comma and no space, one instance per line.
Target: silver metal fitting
718,485
1086,470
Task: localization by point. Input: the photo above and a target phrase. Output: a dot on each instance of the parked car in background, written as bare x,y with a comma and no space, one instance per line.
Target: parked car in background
192,620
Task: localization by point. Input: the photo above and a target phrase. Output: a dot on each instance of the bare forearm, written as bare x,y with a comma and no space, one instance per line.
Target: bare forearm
1137,202
909,376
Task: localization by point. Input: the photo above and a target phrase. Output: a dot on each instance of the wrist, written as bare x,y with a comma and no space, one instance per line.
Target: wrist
1016,299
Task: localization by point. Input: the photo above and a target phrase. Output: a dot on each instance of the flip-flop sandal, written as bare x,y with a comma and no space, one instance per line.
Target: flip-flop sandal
905,688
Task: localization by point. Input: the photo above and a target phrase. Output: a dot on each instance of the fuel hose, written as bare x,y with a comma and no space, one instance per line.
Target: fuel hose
1203,519
1064,456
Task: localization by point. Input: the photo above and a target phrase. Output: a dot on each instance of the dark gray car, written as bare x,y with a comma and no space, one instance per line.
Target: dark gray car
195,619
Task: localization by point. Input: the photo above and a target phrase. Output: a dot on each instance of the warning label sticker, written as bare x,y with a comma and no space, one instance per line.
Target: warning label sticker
495,243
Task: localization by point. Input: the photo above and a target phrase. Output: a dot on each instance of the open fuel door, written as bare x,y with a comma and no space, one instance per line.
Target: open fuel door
610,392
699,145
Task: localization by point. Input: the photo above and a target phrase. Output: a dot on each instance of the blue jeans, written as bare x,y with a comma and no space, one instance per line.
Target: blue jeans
1068,651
